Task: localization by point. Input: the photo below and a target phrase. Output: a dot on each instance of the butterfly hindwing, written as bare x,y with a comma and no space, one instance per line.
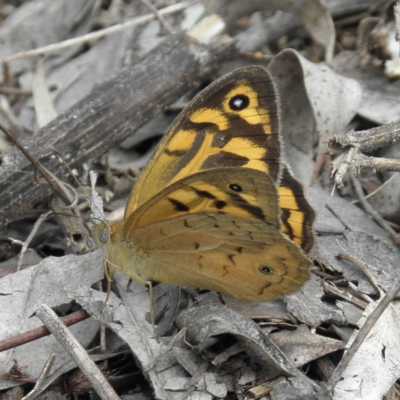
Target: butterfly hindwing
183,236
216,208
245,258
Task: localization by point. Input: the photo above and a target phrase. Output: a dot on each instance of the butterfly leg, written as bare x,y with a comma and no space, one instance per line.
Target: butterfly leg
153,325
109,276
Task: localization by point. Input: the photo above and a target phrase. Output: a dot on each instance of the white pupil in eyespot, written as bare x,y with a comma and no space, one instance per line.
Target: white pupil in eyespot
238,103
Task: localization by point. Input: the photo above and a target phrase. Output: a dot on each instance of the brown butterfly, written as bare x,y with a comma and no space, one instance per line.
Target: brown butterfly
215,207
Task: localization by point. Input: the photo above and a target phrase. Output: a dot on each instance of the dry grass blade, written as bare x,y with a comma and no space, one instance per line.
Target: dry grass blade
99,34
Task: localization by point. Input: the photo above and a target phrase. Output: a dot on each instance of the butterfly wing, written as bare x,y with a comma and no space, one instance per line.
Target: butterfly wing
238,191
194,242
234,122
297,214
239,256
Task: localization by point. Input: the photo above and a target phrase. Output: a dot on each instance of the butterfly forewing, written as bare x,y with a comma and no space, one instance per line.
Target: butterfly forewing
232,123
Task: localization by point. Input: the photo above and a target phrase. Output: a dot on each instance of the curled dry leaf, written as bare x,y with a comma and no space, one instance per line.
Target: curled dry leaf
301,346
380,97
384,199
316,103
206,321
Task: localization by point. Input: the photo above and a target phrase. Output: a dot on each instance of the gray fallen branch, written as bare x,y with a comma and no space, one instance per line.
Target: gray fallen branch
111,112
77,352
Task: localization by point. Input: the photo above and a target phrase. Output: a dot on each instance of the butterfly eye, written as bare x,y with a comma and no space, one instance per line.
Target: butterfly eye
235,187
104,235
239,102
265,270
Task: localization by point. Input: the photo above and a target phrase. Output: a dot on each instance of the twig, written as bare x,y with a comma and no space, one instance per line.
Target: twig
77,352
368,140
331,288
356,142
28,240
162,20
64,191
40,332
369,323
35,392
397,19
353,160
363,267
374,214
338,217
99,34
264,389
53,181
21,92
225,355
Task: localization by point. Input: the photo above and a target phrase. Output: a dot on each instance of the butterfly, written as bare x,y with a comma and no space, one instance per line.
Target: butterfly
216,208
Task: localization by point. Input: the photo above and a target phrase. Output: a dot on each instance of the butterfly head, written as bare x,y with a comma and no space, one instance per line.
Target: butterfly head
104,235
101,232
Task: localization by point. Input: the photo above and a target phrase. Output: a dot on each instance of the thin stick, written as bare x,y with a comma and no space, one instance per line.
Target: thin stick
35,392
374,214
99,34
40,332
28,240
363,267
337,216
153,325
52,180
162,20
77,352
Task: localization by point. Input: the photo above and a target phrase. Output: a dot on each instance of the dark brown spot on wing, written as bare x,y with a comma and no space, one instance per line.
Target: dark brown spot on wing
224,158
178,205
175,153
220,204
255,211
231,258
285,221
263,288
226,269
204,194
